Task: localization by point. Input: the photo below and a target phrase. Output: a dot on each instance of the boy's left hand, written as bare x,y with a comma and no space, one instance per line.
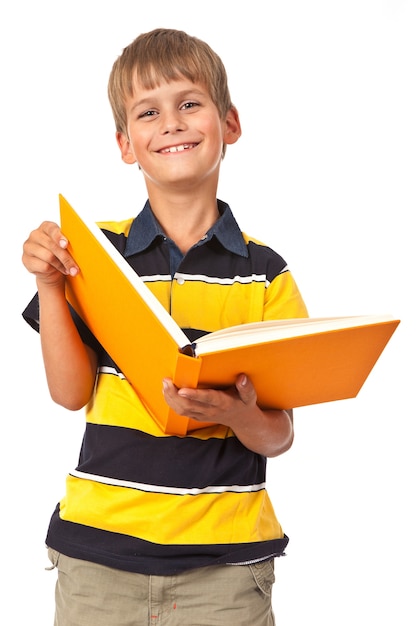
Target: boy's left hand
267,432
212,405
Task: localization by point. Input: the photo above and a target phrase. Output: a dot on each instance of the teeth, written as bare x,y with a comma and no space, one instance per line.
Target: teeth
185,146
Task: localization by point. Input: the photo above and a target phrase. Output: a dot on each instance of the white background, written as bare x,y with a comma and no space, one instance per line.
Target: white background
325,172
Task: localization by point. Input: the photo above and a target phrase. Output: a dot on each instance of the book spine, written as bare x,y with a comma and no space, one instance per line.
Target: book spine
186,375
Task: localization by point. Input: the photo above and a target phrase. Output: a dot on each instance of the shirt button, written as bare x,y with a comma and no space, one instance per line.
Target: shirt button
180,280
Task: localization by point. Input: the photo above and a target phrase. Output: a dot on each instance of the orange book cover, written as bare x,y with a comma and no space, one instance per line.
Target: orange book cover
292,363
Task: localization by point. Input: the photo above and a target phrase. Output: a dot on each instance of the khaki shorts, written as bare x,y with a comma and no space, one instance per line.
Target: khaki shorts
227,595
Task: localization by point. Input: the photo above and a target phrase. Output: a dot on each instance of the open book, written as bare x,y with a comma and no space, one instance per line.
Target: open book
292,363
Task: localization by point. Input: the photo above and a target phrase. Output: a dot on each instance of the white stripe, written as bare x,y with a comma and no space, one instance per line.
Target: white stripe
156,278
104,369
215,280
256,278
169,490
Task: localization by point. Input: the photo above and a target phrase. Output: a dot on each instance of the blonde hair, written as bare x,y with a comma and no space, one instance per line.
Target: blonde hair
166,54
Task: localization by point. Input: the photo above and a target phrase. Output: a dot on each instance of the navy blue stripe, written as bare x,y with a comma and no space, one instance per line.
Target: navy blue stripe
211,259
183,462
135,555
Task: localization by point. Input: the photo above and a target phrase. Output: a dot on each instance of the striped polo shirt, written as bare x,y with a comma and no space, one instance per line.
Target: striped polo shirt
145,501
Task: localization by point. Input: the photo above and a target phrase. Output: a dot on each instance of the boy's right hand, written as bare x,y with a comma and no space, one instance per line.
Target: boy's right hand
46,256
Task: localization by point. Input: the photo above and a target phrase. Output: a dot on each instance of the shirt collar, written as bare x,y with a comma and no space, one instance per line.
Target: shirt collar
145,229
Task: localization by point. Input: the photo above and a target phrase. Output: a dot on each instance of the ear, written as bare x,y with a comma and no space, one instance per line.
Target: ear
232,130
125,148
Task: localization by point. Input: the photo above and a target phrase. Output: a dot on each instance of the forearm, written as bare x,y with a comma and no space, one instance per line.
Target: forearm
269,433
70,366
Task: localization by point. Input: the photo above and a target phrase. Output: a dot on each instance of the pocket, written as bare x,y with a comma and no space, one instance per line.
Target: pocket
264,575
53,556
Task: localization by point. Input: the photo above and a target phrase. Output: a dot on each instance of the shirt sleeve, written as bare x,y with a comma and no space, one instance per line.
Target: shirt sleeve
283,299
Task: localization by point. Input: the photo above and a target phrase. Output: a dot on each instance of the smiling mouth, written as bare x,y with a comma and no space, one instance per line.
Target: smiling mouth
181,148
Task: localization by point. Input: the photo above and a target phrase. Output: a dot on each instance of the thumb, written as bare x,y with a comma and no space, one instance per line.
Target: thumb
245,389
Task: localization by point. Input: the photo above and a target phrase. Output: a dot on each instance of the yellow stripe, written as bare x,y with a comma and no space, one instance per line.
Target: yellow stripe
217,306
116,404
118,227
214,305
283,300
204,519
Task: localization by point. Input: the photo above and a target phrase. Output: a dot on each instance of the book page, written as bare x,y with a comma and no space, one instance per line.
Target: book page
273,330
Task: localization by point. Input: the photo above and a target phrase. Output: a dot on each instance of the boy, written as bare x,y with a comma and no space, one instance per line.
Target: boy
159,529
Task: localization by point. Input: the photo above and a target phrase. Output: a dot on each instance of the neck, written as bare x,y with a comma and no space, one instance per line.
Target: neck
185,220
187,229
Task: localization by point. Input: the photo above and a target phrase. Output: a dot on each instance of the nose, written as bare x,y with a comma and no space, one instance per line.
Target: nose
172,122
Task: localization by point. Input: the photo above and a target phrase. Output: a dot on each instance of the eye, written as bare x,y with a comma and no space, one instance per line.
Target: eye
147,114
191,104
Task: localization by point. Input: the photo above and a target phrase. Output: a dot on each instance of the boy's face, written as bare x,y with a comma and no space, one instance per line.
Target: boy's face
175,134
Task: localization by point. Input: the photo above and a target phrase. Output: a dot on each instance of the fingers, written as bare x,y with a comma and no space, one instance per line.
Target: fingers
211,404
245,389
196,403
45,253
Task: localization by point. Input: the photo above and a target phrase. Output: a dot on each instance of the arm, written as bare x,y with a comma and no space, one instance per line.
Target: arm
70,365
269,433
